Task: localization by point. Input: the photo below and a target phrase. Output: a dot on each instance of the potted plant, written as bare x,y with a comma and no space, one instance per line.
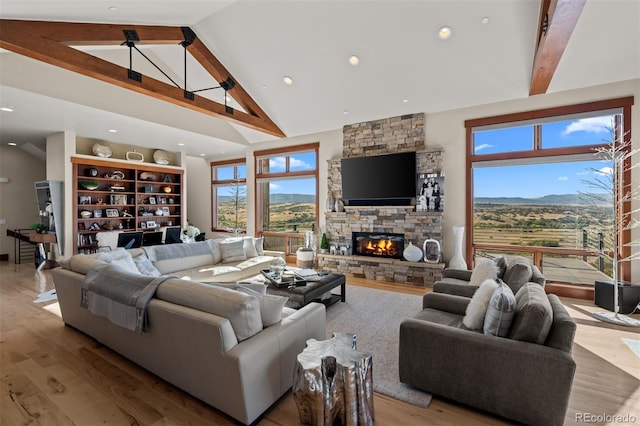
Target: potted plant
324,245
39,228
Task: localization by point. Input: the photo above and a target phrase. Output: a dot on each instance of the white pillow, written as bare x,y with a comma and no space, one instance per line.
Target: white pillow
250,247
270,305
477,307
232,250
120,257
259,243
487,270
145,266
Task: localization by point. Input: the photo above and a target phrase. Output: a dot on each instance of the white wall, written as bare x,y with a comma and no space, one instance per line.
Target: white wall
18,196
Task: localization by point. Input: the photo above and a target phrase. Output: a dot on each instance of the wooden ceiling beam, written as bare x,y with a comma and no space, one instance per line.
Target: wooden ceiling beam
48,42
558,19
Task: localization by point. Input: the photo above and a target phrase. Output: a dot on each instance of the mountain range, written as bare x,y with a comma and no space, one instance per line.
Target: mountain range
552,199
276,198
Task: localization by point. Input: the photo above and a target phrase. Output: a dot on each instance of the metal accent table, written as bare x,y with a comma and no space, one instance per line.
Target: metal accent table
333,383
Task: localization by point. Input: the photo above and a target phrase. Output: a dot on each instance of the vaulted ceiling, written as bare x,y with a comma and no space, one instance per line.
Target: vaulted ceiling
404,67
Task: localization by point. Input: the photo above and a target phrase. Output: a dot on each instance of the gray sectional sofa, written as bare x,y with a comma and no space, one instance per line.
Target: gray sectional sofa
211,341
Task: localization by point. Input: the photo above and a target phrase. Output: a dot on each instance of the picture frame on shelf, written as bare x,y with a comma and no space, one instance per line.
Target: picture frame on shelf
152,200
118,199
162,200
151,224
112,212
97,213
430,192
84,199
143,225
166,211
171,201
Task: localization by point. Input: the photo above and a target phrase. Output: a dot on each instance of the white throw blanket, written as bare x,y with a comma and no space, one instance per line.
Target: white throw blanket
119,295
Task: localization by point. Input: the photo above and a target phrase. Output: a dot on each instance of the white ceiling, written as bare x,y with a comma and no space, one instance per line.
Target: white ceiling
404,67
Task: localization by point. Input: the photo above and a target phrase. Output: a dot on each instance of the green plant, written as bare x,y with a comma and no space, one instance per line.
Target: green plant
323,243
38,227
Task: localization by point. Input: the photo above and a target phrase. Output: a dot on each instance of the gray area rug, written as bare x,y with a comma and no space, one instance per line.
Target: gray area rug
375,317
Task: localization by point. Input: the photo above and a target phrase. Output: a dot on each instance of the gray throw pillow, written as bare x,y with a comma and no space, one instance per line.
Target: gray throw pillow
518,273
232,251
145,266
270,305
502,306
534,316
501,263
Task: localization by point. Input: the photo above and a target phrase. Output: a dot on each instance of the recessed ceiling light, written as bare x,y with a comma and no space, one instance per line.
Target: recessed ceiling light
180,144
12,144
345,112
405,100
444,33
354,60
287,80
202,155
6,109
264,86
113,8
112,131
485,20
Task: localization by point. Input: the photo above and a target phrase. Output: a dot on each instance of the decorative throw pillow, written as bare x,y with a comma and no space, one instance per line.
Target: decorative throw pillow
477,307
270,305
250,247
502,263
259,243
502,306
233,250
120,257
483,271
518,273
215,249
533,317
145,266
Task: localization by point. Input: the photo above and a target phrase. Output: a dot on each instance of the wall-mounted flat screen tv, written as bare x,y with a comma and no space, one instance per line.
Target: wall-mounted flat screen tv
379,180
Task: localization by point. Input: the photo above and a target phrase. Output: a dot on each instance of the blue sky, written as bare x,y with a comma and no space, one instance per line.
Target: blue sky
533,181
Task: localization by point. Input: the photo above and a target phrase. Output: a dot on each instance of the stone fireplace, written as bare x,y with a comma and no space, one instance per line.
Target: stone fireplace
386,136
378,244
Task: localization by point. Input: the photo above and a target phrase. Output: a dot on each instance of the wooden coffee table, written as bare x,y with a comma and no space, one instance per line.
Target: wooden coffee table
313,291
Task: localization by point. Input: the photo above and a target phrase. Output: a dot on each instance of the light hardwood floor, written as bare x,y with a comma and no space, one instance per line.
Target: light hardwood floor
54,375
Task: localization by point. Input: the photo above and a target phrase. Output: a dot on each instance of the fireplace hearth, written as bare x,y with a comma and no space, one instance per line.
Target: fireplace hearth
377,244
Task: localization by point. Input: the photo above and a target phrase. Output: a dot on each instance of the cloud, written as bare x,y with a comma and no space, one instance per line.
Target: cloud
591,125
274,186
605,171
483,146
279,163
563,178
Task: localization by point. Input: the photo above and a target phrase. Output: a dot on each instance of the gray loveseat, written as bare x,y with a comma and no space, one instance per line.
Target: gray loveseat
521,380
207,340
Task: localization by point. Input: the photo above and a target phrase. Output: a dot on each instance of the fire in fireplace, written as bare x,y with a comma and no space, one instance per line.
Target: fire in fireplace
377,244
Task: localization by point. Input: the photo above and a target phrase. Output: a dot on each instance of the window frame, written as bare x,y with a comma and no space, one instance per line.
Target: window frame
223,182
624,104
261,176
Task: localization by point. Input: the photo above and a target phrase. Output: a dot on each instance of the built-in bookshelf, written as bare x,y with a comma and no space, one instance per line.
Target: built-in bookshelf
112,195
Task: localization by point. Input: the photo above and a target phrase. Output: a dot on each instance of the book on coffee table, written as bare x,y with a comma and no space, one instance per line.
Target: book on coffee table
287,278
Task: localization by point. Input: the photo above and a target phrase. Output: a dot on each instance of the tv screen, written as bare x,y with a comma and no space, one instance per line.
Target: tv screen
381,179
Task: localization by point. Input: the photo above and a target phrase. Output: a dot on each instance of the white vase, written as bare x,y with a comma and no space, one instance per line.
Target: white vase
339,205
330,203
457,260
412,253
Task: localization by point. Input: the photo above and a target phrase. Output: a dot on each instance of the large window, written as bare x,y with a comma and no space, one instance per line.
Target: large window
287,189
533,178
229,190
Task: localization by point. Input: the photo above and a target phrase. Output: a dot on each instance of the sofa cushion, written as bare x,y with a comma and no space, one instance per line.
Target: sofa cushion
483,271
259,243
233,250
145,266
119,257
518,273
250,247
208,274
171,258
477,308
215,249
533,317
270,305
81,263
502,263
502,306
242,310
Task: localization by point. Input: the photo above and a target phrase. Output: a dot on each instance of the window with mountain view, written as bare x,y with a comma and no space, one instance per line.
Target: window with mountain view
287,189
229,187
533,183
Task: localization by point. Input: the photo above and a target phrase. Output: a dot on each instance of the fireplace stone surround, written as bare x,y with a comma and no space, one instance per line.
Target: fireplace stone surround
379,137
